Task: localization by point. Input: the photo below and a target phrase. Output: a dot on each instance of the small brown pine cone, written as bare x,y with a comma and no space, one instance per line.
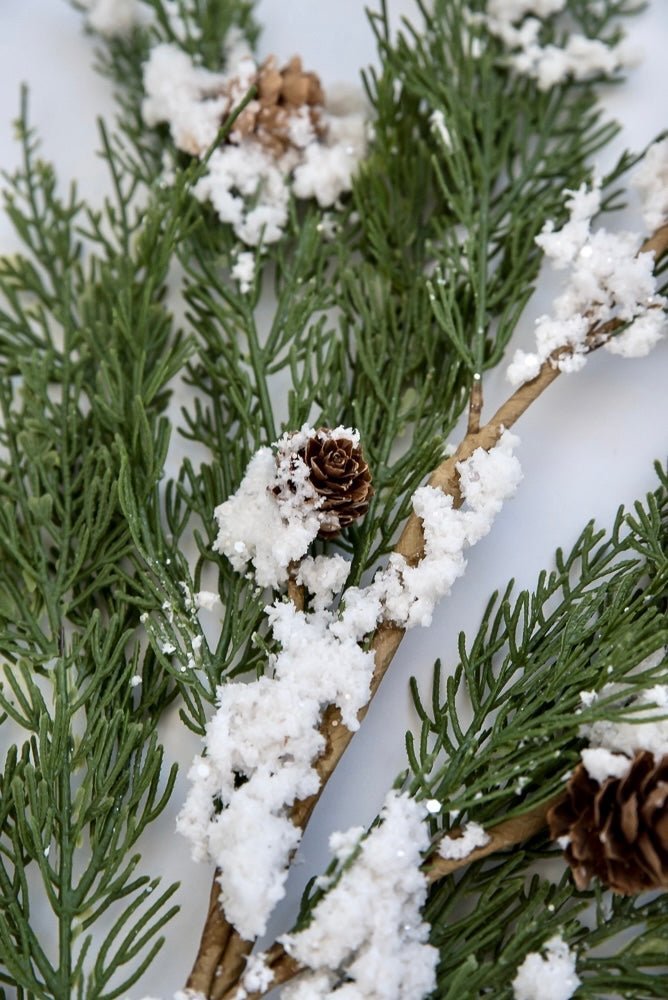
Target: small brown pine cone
340,476
280,94
617,831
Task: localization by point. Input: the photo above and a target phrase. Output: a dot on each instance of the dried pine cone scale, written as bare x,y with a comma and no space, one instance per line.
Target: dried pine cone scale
617,831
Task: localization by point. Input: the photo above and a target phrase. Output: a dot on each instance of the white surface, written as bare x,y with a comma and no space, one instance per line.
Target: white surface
587,445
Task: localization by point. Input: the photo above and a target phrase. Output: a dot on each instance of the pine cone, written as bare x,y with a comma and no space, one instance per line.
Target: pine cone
340,475
281,93
618,830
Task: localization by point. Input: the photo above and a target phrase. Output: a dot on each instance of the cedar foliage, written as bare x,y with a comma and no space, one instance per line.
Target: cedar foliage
382,327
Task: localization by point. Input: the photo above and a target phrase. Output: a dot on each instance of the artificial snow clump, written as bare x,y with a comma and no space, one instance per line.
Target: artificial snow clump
600,764
487,478
323,577
548,976
266,735
438,124
648,730
253,527
112,17
257,977
288,138
472,837
651,182
368,928
581,58
207,600
609,281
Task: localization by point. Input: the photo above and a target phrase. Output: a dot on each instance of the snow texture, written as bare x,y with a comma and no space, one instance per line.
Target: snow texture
472,837
248,183
581,58
243,271
601,764
648,731
207,600
323,577
254,527
651,182
368,928
548,976
608,279
258,976
264,738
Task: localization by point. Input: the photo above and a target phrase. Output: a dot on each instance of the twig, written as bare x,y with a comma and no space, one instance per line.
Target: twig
475,405
215,937
508,833
232,965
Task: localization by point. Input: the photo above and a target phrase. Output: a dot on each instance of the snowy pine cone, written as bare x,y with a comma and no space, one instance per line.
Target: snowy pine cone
617,831
340,476
282,95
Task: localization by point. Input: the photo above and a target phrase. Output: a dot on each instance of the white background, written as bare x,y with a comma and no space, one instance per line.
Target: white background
587,445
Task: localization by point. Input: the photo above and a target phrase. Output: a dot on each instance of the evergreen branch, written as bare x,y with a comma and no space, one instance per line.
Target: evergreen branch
387,638
385,642
86,332
512,696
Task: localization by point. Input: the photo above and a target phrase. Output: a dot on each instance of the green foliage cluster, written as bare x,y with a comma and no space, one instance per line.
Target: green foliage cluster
382,314
596,623
87,351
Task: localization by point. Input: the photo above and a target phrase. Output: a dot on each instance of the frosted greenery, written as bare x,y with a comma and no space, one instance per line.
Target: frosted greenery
381,326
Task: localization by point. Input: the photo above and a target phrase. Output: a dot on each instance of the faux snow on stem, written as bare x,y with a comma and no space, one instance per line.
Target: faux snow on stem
548,976
581,58
368,928
472,837
264,738
288,137
608,279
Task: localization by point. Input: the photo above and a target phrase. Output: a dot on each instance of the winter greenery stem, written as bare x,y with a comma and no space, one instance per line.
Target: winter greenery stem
397,236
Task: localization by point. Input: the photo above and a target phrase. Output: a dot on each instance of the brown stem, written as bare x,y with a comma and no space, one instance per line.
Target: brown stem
231,966
658,242
215,936
283,966
508,833
475,405
295,590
